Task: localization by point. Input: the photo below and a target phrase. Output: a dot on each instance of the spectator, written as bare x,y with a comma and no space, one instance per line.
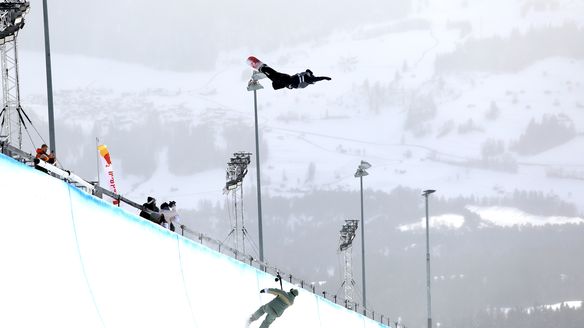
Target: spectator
151,212
150,205
42,155
165,210
170,214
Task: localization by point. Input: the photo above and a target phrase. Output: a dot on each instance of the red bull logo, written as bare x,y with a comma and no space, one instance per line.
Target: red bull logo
111,182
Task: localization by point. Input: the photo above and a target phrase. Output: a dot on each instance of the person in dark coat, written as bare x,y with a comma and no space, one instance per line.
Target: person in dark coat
297,81
151,212
150,205
276,307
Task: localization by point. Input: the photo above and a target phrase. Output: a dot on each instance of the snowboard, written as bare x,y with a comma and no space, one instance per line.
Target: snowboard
254,62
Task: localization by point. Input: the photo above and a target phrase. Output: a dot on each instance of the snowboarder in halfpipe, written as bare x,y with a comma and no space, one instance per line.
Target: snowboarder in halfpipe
275,307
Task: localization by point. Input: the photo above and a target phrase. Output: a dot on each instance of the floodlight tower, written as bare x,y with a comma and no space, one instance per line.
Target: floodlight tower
360,173
254,85
12,116
426,194
346,247
235,172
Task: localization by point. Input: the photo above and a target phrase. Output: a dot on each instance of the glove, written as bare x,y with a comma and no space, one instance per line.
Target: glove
262,291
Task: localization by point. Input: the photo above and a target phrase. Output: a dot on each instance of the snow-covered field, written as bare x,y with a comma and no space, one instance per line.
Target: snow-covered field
509,217
436,222
498,216
555,307
360,114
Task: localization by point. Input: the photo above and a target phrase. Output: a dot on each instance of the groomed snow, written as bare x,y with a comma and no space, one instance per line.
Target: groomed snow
509,217
447,221
571,304
85,263
336,123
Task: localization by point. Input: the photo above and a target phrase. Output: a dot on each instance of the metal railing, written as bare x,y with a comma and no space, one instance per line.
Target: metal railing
268,268
221,247
29,159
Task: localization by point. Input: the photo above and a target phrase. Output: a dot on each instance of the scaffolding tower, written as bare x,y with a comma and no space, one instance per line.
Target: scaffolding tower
235,172
346,248
12,116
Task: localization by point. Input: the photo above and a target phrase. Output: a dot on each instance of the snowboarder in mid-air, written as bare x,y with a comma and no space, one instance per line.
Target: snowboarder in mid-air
275,307
282,80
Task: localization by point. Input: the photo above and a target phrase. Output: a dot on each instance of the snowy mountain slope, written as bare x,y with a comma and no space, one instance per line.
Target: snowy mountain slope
382,75
335,143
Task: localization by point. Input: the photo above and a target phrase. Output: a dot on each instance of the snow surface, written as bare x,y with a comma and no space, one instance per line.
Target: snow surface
448,221
509,217
86,263
335,145
492,215
335,124
571,304
575,305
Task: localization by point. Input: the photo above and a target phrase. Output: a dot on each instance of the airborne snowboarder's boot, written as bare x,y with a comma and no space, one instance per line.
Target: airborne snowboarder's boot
255,63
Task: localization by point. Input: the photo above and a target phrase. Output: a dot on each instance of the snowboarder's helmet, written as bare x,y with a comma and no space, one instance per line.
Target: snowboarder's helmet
294,292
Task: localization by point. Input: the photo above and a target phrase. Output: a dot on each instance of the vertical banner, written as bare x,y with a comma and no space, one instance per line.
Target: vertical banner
107,174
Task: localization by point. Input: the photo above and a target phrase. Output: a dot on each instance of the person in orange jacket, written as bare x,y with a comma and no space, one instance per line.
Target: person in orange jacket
43,155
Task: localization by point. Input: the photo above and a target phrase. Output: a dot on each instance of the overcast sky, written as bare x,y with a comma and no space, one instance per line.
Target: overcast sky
181,34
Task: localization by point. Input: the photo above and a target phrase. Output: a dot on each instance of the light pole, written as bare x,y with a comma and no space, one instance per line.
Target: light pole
254,85
360,174
52,141
427,193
